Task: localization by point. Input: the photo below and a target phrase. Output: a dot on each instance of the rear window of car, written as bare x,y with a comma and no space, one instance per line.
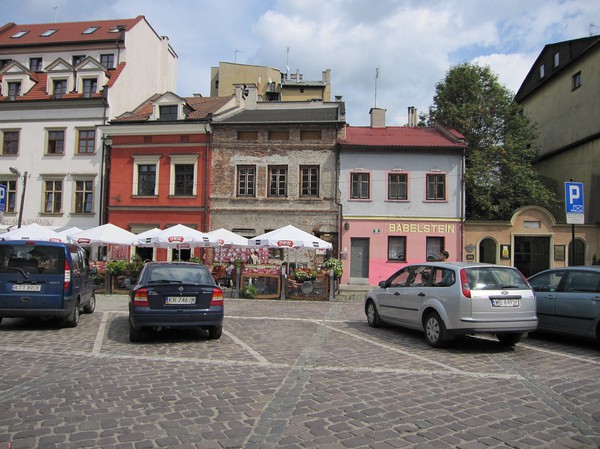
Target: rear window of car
32,259
495,278
179,273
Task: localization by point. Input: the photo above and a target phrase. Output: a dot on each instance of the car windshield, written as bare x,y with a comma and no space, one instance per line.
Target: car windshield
32,259
178,274
495,278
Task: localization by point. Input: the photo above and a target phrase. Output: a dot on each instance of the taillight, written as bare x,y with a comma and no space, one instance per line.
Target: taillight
464,283
141,298
217,298
67,281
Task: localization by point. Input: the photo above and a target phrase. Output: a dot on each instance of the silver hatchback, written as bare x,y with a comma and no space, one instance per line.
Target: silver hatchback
446,299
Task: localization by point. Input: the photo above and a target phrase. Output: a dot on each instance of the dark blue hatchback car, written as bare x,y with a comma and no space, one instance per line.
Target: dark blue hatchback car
175,295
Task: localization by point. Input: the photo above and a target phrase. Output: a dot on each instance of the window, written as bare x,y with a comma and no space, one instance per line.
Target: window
90,30
247,135
108,61
433,248
246,175
60,88
309,180
556,59
576,81
76,59
168,112
184,179
35,64
146,180
11,194
4,62
397,249
310,134
90,87
436,187
52,196
56,142
278,181
49,32
542,71
19,34
86,141
84,197
397,186
14,90
10,142
360,185
279,135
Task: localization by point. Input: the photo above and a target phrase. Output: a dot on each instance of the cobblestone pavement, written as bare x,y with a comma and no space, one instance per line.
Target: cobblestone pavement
289,374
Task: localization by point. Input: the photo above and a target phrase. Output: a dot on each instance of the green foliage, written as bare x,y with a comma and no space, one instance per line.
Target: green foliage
499,175
335,265
248,291
135,265
305,274
195,260
116,267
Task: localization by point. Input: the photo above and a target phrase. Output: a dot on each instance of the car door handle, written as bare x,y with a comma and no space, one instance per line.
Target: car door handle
421,294
396,293
596,299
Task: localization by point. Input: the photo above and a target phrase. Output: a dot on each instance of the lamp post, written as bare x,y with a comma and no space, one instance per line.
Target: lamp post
18,173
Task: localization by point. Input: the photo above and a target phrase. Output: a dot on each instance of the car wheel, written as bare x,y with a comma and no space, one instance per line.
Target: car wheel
509,339
91,306
372,315
215,332
73,319
435,330
135,335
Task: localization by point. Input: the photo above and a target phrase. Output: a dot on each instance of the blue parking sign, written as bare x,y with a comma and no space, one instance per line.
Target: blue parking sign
574,202
2,198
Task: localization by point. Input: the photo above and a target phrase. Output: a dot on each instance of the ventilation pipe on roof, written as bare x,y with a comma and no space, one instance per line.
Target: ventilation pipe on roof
412,116
377,118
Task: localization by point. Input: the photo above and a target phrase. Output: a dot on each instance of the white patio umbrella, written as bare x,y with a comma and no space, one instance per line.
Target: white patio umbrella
106,234
145,238
66,233
227,238
289,237
180,236
33,231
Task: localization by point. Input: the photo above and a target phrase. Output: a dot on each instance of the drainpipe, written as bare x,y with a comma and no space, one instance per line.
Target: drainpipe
462,204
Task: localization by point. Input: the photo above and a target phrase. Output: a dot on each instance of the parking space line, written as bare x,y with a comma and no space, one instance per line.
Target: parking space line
100,334
251,351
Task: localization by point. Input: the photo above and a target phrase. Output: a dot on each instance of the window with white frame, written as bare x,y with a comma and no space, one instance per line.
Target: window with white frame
53,191
278,181
167,112
14,90
90,87
84,196
59,88
436,186
183,175
309,180
246,180
146,175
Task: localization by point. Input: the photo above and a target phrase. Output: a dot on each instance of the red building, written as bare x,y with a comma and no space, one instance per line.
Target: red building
158,161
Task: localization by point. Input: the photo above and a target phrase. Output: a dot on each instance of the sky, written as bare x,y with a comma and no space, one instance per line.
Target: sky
388,54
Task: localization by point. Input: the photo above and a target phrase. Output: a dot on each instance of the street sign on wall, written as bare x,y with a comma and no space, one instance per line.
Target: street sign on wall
574,202
2,198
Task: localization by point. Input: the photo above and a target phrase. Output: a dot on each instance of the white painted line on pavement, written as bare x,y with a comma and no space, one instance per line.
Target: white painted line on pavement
100,334
252,352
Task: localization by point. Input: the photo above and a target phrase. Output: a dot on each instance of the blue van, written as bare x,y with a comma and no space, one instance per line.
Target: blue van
45,279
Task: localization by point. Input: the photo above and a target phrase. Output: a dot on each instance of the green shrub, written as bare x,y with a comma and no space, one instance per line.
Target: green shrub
248,291
335,265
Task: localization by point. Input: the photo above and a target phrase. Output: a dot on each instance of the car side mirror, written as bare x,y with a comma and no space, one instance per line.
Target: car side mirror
383,284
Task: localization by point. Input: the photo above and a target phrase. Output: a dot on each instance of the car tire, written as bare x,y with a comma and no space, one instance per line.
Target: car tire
435,330
373,315
91,306
73,319
135,335
215,332
510,339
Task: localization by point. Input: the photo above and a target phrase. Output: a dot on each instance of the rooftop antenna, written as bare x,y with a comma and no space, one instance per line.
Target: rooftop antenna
235,55
592,26
55,8
376,78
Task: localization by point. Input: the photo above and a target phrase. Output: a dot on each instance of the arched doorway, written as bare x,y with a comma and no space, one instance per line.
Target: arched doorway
579,253
487,250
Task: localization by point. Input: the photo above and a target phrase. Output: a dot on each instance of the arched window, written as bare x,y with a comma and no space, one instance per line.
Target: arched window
487,251
579,253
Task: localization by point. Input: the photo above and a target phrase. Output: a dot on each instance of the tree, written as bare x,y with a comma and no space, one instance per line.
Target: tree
499,175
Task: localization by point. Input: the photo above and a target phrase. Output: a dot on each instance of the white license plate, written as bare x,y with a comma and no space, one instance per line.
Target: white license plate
27,288
180,300
505,303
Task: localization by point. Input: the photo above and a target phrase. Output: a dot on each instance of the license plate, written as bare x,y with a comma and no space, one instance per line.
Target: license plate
27,288
176,300
505,303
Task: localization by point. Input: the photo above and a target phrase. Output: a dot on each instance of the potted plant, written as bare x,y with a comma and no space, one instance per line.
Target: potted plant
305,274
334,265
248,291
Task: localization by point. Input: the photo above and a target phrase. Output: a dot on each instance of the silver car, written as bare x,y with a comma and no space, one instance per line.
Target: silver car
568,301
446,299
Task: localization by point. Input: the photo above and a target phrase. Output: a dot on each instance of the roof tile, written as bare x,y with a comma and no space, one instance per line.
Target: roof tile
400,136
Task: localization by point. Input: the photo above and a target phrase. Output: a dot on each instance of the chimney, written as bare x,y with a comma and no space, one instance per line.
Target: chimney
412,116
377,118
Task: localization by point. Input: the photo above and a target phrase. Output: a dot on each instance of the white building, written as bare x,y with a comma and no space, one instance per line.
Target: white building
58,83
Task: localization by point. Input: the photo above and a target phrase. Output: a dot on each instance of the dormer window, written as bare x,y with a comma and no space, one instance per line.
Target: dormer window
542,71
19,34
90,30
14,90
117,29
49,32
60,88
168,113
90,87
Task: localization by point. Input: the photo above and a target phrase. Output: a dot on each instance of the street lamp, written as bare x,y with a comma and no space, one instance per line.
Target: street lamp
18,173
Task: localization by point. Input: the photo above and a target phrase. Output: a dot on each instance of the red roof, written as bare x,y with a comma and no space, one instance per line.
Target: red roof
66,32
39,91
402,136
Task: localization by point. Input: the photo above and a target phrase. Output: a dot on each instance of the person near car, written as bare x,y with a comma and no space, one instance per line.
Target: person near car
444,255
229,274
